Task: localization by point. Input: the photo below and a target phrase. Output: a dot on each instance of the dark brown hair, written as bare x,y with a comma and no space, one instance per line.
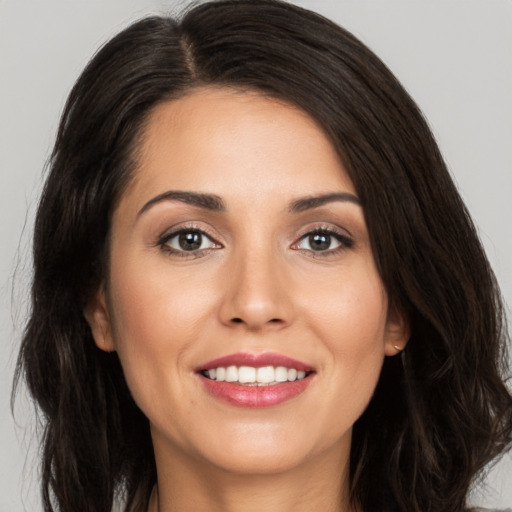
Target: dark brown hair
440,411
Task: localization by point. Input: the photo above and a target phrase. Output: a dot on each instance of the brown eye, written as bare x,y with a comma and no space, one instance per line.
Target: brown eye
319,241
188,240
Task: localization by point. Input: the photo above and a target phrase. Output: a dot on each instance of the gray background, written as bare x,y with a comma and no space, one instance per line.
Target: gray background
454,57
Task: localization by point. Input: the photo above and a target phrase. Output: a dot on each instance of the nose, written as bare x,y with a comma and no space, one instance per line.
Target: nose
257,294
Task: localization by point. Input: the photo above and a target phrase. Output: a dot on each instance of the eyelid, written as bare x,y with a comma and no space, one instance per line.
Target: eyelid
175,231
343,236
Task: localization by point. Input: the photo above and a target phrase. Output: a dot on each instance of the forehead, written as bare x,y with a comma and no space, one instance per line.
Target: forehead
236,143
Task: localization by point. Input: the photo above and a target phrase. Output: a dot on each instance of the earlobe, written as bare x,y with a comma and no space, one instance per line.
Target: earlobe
97,316
397,332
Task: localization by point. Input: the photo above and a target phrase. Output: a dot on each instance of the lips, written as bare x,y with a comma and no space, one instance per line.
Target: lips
249,380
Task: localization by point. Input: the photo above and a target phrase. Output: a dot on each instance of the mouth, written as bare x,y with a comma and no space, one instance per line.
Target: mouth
255,376
247,380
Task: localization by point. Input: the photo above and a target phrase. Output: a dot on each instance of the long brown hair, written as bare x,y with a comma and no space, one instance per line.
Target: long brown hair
440,411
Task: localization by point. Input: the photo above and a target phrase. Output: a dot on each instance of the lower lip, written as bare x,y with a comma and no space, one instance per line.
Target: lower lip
255,396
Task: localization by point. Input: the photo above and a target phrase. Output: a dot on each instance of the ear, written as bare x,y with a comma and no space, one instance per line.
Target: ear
397,332
97,316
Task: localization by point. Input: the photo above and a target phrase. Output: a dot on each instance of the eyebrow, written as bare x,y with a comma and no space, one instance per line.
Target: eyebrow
307,203
208,201
215,203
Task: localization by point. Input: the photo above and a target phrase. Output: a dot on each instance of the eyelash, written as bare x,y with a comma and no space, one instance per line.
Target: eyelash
163,242
345,241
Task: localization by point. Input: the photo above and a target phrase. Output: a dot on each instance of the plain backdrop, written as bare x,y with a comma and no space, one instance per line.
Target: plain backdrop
454,57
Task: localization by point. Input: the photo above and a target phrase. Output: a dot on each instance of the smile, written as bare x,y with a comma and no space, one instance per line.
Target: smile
248,380
252,376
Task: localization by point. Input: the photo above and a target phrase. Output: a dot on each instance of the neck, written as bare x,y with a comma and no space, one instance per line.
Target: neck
321,484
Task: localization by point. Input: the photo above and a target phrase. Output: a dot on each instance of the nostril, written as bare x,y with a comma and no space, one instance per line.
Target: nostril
237,320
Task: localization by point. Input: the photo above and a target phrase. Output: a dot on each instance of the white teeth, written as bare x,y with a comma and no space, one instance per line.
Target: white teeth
246,374
221,374
231,374
265,374
249,375
281,374
292,374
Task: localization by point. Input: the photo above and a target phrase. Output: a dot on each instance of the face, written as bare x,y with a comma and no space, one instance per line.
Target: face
242,296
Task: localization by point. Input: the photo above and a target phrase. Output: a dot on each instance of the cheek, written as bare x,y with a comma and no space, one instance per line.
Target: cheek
349,312
350,315
153,308
156,317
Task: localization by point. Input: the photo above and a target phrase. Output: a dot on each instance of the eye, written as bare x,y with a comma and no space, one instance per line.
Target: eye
323,241
187,240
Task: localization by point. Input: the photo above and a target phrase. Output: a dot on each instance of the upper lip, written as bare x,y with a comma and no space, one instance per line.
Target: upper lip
255,360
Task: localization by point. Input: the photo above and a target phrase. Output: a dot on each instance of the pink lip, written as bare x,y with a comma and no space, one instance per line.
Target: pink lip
255,396
256,360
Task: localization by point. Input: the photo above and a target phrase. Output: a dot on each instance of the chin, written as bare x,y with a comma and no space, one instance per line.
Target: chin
267,448
249,461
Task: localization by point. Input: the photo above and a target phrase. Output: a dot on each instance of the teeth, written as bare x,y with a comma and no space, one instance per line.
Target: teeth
264,375
231,374
246,374
220,374
281,374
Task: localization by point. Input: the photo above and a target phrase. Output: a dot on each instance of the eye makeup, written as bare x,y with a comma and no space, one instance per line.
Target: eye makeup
188,241
194,241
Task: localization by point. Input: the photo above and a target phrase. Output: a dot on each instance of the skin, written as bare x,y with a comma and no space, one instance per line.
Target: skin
256,287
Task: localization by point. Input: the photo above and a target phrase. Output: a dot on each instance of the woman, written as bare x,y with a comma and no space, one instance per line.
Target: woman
256,285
